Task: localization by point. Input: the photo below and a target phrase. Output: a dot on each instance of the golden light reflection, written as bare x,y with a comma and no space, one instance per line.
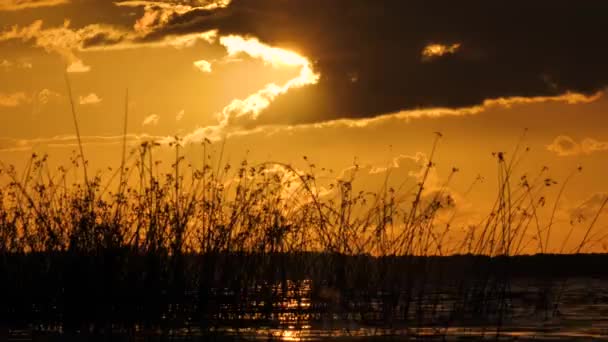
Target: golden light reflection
438,50
290,335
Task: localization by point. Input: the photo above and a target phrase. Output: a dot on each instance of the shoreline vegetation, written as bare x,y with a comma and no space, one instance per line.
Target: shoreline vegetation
198,253
213,246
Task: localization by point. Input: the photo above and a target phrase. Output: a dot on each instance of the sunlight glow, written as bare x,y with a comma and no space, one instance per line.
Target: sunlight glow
252,106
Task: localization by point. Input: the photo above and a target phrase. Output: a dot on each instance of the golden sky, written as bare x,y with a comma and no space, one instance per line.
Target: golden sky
339,82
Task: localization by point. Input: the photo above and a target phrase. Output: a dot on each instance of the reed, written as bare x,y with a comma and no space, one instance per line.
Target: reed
209,246
202,246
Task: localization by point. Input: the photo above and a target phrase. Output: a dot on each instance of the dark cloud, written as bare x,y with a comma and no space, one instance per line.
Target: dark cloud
101,39
369,51
17,5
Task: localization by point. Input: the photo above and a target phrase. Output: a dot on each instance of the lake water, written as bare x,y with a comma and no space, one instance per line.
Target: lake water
556,310
551,310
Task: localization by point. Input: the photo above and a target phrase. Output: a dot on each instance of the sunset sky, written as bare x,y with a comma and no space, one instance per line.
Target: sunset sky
338,81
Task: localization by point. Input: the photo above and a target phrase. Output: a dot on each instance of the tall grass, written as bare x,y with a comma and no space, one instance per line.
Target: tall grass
197,245
160,247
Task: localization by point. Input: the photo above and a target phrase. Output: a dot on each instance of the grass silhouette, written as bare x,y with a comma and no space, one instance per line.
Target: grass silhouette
203,248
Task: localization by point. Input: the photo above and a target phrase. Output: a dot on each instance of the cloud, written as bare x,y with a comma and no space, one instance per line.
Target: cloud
151,120
6,64
203,65
564,146
284,117
180,115
16,5
13,99
177,5
377,68
78,67
437,50
381,42
249,109
348,74
67,41
90,99
275,125
241,113
46,96
42,97
61,40
157,14
71,141
589,145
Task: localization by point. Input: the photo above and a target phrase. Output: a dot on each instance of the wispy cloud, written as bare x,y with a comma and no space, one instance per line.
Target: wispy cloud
46,96
203,65
151,120
565,146
71,141
6,64
78,67
13,99
66,41
180,115
16,5
90,99
61,40
591,145
157,14
219,131
184,5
